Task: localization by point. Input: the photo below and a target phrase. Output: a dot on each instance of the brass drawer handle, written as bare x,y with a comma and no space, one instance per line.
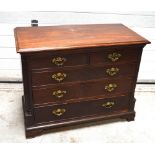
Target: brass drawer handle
59,93
114,56
59,61
112,71
59,76
111,87
108,104
59,112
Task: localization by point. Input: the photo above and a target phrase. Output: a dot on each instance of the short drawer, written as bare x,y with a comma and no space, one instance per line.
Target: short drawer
64,92
81,109
40,61
115,55
56,76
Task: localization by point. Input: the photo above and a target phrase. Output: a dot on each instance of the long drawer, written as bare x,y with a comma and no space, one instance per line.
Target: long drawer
63,75
65,92
81,109
84,57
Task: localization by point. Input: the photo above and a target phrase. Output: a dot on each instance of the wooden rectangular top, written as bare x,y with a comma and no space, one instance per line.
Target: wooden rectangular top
34,39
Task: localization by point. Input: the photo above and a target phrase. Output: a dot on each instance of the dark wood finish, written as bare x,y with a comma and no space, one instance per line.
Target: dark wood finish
130,108
74,91
82,73
43,61
82,53
83,57
82,109
27,98
127,55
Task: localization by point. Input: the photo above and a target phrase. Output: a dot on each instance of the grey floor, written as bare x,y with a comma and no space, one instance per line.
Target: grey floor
113,131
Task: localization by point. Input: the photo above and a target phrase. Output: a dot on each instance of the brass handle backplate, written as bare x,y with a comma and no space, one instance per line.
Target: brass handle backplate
59,93
59,112
59,76
59,61
108,104
111,87
114,56
112,71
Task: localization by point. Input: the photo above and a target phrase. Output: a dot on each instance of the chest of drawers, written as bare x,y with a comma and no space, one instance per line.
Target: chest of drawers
77,73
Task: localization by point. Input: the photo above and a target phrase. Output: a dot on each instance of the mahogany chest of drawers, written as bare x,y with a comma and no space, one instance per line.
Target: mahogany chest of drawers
77,73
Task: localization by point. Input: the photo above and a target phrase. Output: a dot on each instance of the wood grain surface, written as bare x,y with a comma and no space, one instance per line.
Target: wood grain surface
35,39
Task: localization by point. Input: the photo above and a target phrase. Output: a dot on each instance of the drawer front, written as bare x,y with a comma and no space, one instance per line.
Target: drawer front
64,92
82,74
115,56
81,109
47,61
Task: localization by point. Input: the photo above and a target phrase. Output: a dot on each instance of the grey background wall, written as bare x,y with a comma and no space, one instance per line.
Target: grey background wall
141,22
